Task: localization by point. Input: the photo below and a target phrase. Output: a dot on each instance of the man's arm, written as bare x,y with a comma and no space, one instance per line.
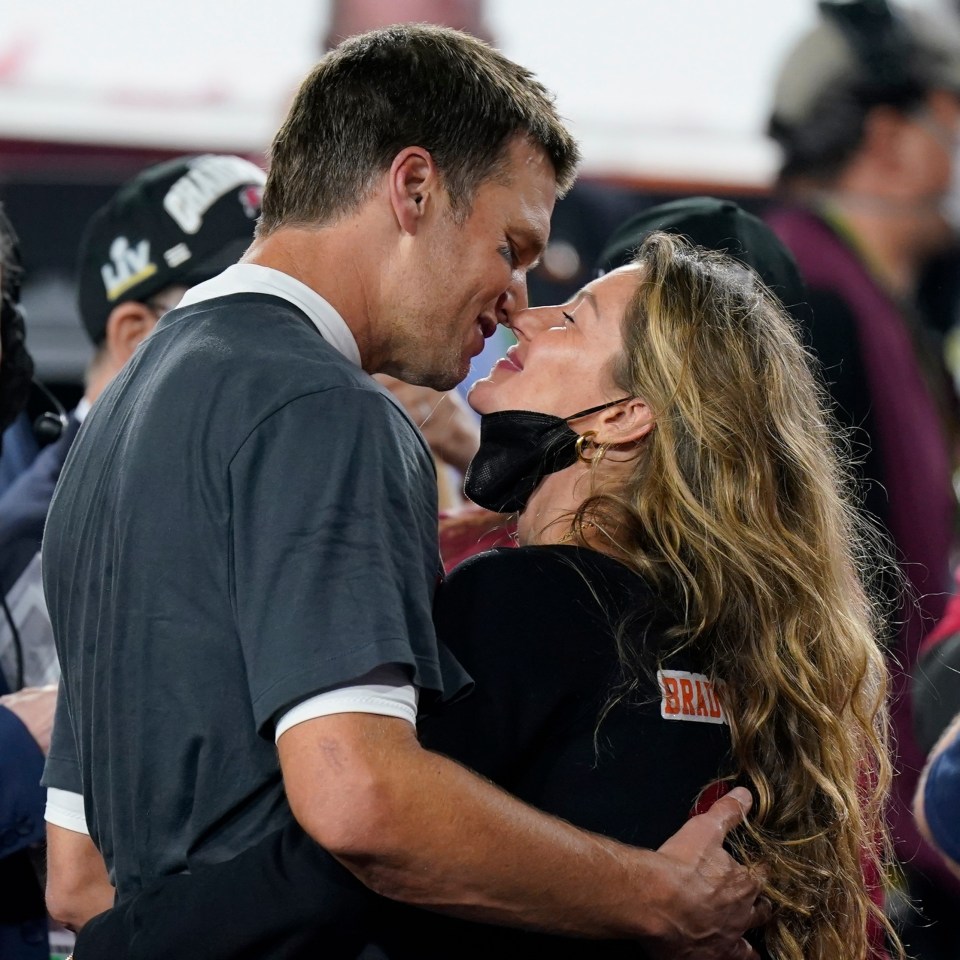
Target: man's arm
77,884
419,828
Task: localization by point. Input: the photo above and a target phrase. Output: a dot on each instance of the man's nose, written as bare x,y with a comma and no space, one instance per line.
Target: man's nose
513,299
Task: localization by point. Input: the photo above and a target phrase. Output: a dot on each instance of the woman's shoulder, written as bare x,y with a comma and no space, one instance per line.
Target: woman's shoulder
542,593
549,567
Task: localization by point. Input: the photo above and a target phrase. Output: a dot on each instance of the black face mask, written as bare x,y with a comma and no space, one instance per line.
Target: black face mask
518,448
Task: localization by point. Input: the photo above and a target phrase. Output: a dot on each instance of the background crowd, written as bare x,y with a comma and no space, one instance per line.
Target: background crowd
865,114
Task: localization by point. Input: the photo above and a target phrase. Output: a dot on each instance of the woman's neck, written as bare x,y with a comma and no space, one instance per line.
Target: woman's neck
548,516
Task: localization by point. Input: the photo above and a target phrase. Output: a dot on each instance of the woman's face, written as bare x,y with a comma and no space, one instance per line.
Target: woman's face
562,359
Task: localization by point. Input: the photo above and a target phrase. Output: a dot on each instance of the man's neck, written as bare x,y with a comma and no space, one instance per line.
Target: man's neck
331,261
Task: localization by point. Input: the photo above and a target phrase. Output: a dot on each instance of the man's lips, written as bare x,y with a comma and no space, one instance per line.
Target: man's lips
488,326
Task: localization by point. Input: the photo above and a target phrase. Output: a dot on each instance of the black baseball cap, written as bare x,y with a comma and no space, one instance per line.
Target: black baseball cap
716,224
177,223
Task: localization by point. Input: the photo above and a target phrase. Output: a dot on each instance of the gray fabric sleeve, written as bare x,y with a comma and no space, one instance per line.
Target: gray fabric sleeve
62,768
334,552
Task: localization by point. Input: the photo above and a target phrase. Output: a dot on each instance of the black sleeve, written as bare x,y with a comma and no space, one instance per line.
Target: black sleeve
283,899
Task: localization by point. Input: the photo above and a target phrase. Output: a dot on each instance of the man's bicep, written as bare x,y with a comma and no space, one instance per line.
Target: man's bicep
336,769
62,767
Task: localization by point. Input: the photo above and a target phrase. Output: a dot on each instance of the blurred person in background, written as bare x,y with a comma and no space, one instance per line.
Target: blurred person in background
26,716
937,803
254,626
867,115
173,225
347,18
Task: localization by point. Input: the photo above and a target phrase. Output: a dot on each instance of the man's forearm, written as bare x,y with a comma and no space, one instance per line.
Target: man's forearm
78,887
419,828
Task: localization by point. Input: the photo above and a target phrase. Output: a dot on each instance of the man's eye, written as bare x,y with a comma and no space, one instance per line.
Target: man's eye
506,251
566,316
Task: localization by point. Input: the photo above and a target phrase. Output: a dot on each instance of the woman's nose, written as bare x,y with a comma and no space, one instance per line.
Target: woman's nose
528,323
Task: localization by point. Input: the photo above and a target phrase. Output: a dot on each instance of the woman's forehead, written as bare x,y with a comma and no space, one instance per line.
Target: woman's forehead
616,287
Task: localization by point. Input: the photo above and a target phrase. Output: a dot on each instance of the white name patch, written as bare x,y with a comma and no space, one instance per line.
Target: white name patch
689,696
207,180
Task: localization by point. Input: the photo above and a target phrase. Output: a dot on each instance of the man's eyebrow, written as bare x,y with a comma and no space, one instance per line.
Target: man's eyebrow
532,239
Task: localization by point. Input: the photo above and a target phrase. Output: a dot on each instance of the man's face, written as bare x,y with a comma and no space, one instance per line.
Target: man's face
463,278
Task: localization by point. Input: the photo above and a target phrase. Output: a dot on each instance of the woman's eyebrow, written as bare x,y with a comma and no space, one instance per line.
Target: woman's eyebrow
585,295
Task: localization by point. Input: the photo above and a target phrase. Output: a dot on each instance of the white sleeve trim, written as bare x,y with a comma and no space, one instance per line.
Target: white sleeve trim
65,809
384,691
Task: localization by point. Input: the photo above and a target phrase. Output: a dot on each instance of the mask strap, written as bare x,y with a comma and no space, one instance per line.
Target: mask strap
597,409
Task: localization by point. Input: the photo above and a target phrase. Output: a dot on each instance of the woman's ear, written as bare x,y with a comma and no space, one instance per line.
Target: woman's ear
625,422
413,185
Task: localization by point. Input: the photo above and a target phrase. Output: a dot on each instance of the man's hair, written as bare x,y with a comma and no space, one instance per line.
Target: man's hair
409,85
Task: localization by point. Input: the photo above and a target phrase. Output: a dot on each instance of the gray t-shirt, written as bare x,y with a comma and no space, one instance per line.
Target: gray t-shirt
245,519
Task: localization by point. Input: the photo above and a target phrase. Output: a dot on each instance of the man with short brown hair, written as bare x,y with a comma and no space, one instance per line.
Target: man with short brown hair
265,551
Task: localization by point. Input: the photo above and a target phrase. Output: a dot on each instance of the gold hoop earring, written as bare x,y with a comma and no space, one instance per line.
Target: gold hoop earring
585,438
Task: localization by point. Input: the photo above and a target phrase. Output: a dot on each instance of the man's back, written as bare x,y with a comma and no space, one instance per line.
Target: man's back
167,525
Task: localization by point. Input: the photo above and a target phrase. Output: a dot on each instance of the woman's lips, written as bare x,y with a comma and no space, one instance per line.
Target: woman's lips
510,361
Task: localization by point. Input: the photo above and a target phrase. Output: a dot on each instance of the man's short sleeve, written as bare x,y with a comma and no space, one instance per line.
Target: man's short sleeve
334,550
62,768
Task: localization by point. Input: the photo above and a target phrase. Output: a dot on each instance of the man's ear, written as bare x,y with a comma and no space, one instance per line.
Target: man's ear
414,184
626,422
129,322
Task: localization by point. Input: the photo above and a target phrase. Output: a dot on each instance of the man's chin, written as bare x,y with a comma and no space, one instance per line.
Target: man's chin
442,380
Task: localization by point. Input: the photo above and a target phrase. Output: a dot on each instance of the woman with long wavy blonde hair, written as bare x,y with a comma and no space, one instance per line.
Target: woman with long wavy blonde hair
685,610
738,507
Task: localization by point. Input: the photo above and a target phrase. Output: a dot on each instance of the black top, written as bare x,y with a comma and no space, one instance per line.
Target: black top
536,629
